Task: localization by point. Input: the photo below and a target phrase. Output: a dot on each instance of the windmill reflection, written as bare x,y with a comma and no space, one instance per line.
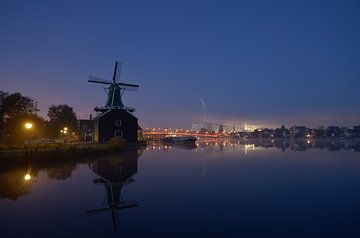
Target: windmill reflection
114,173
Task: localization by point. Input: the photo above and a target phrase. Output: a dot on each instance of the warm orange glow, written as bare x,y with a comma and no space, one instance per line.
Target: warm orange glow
28,125
27,177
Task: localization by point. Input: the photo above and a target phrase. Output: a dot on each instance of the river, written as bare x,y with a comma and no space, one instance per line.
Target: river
212,189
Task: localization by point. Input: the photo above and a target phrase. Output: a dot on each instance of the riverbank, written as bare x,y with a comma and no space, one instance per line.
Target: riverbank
40,154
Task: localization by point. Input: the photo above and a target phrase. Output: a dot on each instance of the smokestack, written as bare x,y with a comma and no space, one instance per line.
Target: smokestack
90,117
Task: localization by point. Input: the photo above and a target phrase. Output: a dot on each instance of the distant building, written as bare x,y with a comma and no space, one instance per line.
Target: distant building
334,131
281,132
267,133
354,132
204,126
85,130
298,131
211,127
320,132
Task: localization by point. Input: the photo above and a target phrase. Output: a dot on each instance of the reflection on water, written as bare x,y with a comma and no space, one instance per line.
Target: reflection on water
113,173
16,183
287,188
249,145
61,172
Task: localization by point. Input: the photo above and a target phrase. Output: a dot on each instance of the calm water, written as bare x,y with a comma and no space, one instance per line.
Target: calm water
218,189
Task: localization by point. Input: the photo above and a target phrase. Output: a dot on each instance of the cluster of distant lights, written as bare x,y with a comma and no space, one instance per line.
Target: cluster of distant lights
201,144
64,130
166,147
168,130
178,130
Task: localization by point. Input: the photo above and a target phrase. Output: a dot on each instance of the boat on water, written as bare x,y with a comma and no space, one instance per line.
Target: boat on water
179,139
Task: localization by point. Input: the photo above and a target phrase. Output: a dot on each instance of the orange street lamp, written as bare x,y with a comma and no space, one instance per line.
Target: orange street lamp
28,125
27,177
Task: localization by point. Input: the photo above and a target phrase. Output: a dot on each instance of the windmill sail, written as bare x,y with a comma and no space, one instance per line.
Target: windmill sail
93,79
117,71
115,90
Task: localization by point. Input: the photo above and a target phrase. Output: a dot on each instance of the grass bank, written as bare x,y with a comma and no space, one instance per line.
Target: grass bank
43,154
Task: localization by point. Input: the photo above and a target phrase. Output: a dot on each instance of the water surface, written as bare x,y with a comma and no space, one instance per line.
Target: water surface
213,189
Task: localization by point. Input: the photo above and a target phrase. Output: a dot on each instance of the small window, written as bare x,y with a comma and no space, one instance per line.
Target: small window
84,127
118,122
119,133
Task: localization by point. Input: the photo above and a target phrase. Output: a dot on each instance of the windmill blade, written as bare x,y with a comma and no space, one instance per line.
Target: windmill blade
128,85
127,205
96,211
114,220
93,79
118,71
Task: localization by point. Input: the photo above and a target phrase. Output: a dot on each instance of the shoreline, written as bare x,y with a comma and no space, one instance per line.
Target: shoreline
60,153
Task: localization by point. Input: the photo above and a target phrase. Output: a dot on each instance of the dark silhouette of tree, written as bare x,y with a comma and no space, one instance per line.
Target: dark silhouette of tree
15,104
15,127
61,116
15,109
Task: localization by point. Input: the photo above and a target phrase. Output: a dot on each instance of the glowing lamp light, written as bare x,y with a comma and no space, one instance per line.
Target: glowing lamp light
28,125
27,177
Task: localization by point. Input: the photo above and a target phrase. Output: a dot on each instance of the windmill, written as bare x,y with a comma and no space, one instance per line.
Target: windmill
114,91
113,200
114,173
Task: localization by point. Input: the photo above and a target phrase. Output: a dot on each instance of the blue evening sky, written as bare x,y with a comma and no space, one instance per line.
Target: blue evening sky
267,62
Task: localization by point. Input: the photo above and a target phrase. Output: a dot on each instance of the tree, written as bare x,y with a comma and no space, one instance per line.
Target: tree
15,109
61,116
3,96
15,104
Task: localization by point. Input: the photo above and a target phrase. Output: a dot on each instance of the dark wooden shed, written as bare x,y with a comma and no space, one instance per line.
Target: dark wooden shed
115,123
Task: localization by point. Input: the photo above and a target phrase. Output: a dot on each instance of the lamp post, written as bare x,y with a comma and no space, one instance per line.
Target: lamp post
28,127
27,177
